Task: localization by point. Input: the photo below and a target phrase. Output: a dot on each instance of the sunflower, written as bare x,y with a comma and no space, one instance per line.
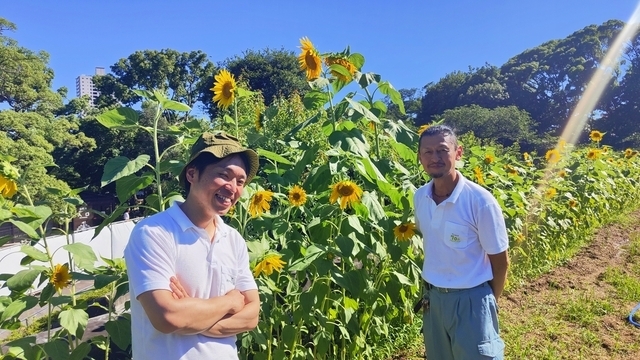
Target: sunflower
520,238
224,89
511,170
297,196
348,192
562,143
526,156
593,154
330,60
372,125
627,153
478,173
550,193
8,187
423,128
270,263
309,59
60,277
259,202
405,231
596,136
562,173
573,203
489,158
552,156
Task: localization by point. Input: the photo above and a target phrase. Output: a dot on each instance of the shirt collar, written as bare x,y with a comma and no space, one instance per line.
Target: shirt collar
185,223
454,194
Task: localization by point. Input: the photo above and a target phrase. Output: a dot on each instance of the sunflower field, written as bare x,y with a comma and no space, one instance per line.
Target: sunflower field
328,220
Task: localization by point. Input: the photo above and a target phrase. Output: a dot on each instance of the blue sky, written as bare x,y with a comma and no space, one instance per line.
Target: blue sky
410,43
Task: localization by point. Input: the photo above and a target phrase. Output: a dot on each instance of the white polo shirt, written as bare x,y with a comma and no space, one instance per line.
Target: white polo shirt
459,233
168,244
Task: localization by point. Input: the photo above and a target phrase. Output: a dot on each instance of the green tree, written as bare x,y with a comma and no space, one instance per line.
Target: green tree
505,125
275,73
412,100
25,78
185,77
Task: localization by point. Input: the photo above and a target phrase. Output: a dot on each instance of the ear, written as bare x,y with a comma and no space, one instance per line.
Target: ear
459,152
191,174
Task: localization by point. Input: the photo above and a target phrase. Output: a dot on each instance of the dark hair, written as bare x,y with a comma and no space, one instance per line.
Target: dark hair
205,159
444,130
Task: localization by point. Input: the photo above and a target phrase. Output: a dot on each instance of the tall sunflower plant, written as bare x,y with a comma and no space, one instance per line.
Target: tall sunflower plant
49,276
332,243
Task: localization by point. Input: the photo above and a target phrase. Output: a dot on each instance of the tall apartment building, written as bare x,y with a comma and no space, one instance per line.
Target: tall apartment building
84,85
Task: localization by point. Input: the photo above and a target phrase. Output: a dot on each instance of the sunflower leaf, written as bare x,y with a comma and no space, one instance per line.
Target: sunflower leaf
120,118
393,94
121,166
174,105
83,255
34,253
73,320
22,280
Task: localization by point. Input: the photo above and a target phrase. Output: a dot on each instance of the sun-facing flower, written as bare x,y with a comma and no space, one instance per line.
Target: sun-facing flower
572,203
60,277
562,173
404,231
593,154
348,192
489,158
550,193
552,156
596,136
478,174
423,128
224,89
297,196
330,60
270,263
511,170
8,187
259,202
309,59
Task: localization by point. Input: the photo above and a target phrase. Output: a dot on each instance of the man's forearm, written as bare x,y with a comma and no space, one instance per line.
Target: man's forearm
245,320
499,266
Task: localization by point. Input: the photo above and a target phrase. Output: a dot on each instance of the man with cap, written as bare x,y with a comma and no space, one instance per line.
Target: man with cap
191,287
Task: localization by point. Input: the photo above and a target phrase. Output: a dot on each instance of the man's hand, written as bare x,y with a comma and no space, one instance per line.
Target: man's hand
235,298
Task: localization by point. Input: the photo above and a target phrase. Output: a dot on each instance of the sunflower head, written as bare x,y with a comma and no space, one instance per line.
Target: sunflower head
489,158
405,231
478,174
423,128
593,154
511,170
224,89
596,136
344,62
297,196
520,238
8,187
562,173
60,276
348,192
550,193
309,59
258,120
259,203
552,156
572,203
269,264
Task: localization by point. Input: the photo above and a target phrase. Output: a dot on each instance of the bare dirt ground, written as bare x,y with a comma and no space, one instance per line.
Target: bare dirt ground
572,312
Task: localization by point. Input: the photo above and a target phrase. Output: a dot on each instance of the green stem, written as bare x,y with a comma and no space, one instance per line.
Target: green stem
375,126
235,109
333,112
110,305
157,154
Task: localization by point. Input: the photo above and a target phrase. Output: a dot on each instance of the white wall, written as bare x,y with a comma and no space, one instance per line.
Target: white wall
110,243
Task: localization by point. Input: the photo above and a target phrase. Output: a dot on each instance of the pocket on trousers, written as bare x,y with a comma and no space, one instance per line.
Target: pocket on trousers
491,348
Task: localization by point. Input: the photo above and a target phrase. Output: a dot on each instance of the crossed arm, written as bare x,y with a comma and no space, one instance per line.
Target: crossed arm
221,316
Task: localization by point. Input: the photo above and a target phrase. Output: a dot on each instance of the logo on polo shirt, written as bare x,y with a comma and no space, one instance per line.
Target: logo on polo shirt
455,238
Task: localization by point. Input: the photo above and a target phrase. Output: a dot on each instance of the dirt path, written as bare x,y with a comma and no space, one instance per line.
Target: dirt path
574,312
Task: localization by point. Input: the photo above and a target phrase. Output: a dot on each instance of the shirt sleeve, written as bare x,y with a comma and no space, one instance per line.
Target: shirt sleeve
244,279
492,231
149,256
